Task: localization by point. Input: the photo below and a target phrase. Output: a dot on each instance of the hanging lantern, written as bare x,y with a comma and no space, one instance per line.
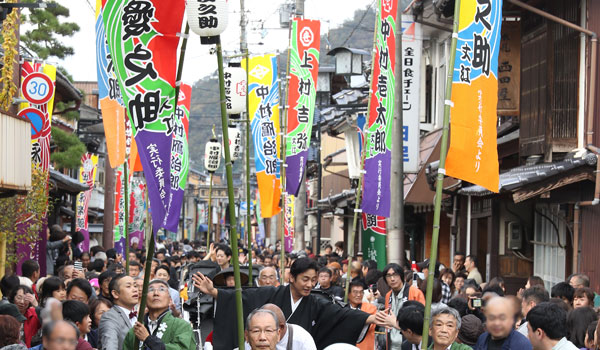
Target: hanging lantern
208,20
235,143
235,91
212,155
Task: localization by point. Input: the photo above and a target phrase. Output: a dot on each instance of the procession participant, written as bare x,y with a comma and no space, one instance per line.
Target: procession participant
116,322
327,322
355,300
268,277
161,330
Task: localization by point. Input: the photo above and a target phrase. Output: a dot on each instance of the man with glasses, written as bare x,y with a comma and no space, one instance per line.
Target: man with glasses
59,335
160,329
399,293
355,301
262,330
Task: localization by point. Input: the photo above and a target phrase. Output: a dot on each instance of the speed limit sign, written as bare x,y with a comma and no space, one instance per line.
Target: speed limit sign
37,88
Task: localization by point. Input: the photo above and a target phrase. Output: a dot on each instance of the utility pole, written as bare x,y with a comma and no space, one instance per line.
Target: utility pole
395,235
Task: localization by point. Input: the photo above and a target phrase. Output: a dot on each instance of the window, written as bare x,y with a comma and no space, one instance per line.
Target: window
548,256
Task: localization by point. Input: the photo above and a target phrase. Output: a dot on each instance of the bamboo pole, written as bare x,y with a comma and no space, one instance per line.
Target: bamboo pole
363,155
440,179
231,198
283,128
126,186
148,266
244,49
210,185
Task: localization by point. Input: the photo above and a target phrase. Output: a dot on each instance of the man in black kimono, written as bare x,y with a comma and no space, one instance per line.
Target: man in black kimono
327,322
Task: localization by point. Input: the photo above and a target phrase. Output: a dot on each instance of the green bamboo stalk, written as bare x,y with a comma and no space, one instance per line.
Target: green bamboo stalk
248,204
210,186
231,198
440,179
363,155
126,183
148,266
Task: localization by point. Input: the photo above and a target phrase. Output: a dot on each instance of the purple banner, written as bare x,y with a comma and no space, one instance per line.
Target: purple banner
34,251
84,246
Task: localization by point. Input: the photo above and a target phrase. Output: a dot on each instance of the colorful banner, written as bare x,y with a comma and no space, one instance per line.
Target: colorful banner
143,39
113,110
288,223
37,87
373,239
377,195
137,212
87,175
302,92
119,209
412,47
473,153
264,118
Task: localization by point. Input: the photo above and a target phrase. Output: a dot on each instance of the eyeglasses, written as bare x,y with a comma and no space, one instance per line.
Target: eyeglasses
157,289
392,275
357,292
257,331
61,341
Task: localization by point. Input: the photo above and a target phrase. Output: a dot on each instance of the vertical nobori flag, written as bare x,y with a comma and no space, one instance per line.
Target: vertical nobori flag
109,94
263,90
143,38
302,92
179,157
373,239
119,210
378,160
473,153
87,174
288,220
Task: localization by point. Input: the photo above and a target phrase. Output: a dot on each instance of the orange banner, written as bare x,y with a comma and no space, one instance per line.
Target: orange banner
473,153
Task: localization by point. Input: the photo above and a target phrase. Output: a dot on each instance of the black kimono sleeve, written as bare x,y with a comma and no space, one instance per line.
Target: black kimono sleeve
336,324
225,324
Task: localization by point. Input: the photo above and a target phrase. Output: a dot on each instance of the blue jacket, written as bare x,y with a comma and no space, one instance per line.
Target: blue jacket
515,341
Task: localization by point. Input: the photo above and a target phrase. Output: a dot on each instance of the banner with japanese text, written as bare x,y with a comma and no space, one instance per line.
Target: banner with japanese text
288,222
373,239
378,131
473,153
109,94
137,212
87,174
143,40
412,47
119,210
302,93
263,90
38,85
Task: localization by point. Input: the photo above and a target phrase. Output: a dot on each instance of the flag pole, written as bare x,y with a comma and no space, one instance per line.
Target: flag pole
363,154
126,184
231,199
440,178
148,265
244,47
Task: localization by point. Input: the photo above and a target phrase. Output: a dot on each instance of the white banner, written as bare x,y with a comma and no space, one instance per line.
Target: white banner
412,45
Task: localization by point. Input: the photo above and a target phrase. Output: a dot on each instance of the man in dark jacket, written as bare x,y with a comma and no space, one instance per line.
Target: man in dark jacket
501,334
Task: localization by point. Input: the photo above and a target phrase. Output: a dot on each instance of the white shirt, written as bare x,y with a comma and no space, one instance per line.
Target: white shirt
25,281
294,304
564,344
127,312
301,339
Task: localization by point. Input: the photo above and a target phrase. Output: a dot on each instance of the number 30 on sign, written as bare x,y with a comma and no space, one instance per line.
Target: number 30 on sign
37,88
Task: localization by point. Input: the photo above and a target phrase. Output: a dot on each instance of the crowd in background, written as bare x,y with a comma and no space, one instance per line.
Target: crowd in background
88,301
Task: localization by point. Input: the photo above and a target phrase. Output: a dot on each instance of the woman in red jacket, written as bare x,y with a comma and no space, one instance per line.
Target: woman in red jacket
25,301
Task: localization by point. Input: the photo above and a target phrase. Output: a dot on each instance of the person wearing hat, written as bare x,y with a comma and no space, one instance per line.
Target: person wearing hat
12,310
225,278
470,330
160,330
444,329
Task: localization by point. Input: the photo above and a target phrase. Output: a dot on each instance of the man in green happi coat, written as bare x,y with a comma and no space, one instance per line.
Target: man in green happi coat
160,330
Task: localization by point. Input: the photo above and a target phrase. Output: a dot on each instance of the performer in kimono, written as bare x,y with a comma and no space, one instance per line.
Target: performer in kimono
325,320
161,330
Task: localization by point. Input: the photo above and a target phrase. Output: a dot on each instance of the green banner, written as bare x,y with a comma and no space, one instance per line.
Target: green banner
373,239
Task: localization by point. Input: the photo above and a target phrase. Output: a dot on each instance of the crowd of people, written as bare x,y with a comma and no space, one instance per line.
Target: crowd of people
89,301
